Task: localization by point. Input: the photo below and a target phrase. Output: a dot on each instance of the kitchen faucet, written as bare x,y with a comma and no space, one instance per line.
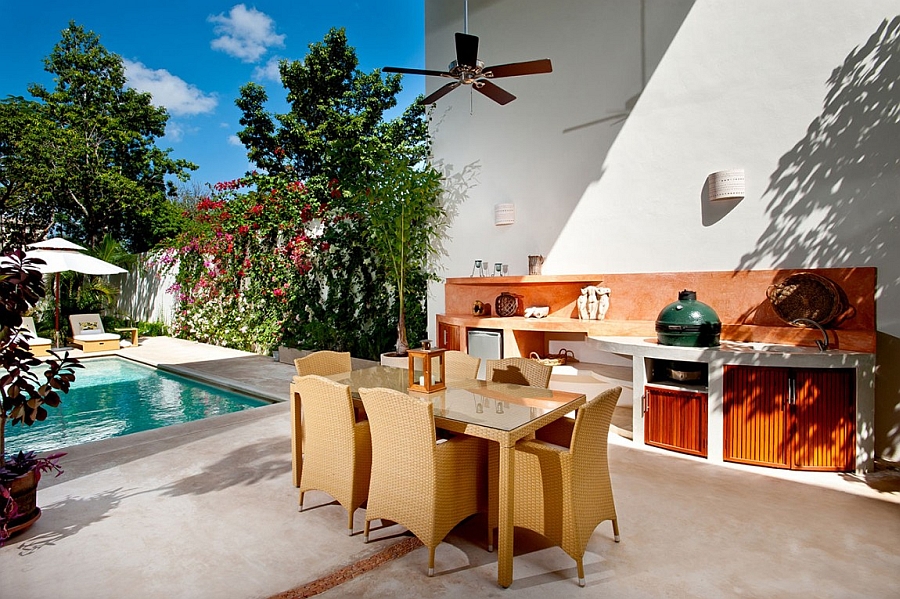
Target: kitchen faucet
820,343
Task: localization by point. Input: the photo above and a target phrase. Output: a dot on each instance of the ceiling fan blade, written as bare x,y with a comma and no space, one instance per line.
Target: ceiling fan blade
440,93
415,71
494,92
466,49
531,67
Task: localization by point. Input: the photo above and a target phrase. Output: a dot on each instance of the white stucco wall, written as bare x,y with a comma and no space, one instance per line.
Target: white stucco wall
607,157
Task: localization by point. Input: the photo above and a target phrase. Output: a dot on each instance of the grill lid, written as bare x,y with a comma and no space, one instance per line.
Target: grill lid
688,322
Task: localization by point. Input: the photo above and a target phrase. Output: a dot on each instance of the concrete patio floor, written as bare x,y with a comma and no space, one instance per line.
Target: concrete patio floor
207,509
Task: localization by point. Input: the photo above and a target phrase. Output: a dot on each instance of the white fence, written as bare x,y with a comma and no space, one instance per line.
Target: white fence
143,294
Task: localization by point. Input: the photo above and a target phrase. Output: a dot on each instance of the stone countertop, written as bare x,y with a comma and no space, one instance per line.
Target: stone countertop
734,352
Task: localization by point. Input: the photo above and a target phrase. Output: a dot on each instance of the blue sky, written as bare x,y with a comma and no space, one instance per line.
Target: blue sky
194,55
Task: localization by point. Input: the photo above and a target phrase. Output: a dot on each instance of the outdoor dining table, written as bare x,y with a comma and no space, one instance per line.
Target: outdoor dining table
499,412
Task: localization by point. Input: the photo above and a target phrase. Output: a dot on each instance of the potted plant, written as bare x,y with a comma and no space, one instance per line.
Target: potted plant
23,395
405,214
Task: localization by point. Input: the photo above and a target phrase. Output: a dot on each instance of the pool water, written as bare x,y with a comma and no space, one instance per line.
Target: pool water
112,397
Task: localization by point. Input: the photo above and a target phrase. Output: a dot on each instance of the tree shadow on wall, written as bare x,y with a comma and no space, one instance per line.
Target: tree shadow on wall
845,174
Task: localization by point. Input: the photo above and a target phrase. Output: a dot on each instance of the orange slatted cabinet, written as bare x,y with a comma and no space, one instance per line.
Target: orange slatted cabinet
675,419
824,434
802,419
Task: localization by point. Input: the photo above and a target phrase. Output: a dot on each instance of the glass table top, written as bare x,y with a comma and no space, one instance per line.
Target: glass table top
500,406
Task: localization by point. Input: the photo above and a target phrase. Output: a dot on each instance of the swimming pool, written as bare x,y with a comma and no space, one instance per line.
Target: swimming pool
112,397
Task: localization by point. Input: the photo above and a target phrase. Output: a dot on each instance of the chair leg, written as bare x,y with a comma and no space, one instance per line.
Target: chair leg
431,561
366,532
580,565
490,544
616,530
301,501
350,523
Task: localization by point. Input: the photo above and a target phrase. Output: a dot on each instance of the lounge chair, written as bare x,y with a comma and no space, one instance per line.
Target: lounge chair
89,336
40,346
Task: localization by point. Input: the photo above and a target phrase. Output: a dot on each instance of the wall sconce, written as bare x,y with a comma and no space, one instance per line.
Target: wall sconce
727,185
504,214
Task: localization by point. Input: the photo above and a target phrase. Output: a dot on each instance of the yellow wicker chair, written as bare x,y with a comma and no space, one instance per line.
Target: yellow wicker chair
562,485
459,365
425,486
519,371
337,457
323,363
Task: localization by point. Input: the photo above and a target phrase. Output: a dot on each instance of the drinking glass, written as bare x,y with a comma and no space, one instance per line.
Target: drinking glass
497,268
476,267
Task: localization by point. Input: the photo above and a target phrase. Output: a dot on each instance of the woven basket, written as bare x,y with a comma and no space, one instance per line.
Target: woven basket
806,295
558,359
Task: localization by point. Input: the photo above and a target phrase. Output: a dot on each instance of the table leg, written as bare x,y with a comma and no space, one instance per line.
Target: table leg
505,522
296,437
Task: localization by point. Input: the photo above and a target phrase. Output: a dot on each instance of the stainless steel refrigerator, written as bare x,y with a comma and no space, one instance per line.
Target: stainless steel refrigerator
486,344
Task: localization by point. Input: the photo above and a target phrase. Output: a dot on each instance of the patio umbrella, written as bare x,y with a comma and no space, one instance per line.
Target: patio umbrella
60,256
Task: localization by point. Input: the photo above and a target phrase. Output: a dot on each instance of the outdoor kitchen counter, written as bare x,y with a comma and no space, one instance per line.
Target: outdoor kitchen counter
644,351
734,352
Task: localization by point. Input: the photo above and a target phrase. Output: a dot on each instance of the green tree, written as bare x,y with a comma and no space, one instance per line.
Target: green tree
25,209
335,126
97,163
334,139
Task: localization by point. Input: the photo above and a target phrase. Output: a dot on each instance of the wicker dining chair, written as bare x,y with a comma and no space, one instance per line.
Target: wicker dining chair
337,453
323,363
460,365
562,484
425,486
519,371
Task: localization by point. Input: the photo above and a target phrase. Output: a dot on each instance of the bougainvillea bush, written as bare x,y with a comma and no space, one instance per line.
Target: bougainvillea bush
336,231
271,260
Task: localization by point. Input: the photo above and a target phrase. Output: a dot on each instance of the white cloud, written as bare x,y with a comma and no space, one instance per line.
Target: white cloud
245,33
174,93
174,131
268,71
234,141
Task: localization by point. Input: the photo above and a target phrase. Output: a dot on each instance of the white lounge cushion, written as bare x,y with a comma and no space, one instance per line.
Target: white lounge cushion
96,336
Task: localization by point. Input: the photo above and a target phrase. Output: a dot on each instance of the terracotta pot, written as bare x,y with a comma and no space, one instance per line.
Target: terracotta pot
24,493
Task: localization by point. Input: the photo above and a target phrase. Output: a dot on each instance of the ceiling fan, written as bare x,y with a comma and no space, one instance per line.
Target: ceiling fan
468,70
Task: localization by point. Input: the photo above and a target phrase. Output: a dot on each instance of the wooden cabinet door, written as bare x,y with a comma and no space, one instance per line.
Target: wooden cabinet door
756,416
448,336
675,419
804,418
824,423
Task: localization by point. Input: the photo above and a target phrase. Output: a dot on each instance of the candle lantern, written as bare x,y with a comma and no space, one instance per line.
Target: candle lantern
426,370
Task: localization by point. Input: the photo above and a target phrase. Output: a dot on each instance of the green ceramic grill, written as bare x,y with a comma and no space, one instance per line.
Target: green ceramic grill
688,323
